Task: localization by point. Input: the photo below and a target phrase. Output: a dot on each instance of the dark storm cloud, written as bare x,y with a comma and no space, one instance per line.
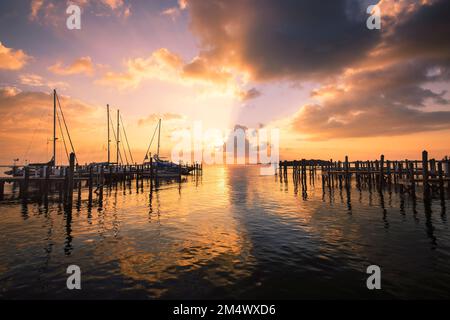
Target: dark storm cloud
284,39
374,82
425,34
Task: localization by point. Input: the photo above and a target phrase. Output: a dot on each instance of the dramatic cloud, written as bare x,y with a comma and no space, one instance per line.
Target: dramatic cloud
11,59
201,70
283,39
81,65
161,64
376,103
167,66
400,89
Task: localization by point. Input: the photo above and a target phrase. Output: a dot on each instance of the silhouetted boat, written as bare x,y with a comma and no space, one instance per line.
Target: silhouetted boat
164,167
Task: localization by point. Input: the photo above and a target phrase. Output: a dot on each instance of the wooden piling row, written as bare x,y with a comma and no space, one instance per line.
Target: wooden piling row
430,174
95,177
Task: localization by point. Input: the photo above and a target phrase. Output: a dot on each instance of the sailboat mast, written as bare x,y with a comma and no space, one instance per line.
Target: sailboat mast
118,137
54,127
159,135
109,140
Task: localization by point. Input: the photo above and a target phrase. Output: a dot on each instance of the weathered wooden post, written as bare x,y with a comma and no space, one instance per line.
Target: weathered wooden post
330,176
26,180
346,171
279,169
369,173
79,192
388,171
412,179
432,170
381,181
2,189
447,172
441,179
323,177
47,170
70,180
425,171
90,184
101,182
304,184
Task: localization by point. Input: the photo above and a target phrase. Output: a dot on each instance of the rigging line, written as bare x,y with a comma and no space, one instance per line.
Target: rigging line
151,141
115,137
125,153
34,135
126,139
159,136
65,124
62,135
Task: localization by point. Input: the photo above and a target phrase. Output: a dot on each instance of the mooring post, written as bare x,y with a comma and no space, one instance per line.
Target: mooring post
70,179
100,183
388,171
441,179
47,170
330,176
90,183
447,172
425,170
346,171
381,171
2,189
151,175
280,165
61,185
406,169
412,179
136,175
432,168
26,179
79,193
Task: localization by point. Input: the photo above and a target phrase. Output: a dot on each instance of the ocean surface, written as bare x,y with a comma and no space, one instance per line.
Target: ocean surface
230,233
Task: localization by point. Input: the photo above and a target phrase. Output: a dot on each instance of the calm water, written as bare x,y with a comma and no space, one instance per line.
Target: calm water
231,234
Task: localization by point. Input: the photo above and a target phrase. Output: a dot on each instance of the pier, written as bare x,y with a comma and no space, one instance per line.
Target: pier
65,179
431,174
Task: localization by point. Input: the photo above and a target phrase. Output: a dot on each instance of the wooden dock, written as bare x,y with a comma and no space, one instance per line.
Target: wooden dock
95,177
430,174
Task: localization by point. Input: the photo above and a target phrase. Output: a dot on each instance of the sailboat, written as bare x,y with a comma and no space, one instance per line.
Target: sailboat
36,167
164,167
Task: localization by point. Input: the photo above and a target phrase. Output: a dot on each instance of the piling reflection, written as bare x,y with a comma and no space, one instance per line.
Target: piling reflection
230,233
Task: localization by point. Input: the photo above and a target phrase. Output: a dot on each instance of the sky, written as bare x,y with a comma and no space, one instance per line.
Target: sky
311,69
